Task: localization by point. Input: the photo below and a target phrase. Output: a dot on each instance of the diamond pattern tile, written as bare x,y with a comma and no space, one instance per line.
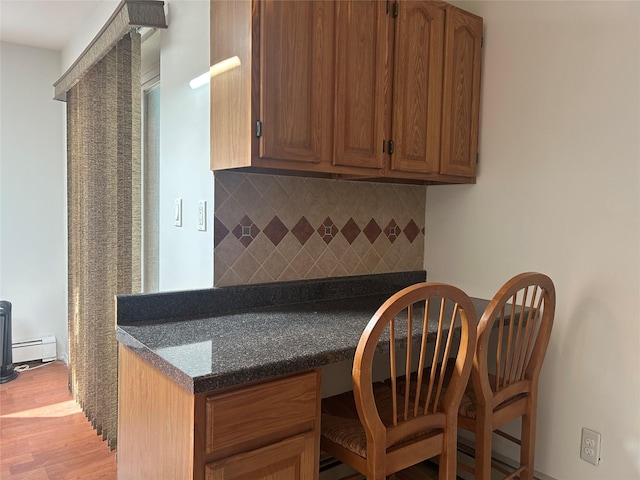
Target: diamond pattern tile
247,197
275,231
302,230
275,264
392,231
246,231
327,230
350,230
411,231
220,231
372,231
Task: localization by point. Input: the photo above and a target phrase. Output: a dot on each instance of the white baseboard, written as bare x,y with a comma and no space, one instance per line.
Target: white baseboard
38,349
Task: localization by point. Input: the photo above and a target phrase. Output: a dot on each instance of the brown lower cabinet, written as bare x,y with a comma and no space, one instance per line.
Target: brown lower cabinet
289,459
267,430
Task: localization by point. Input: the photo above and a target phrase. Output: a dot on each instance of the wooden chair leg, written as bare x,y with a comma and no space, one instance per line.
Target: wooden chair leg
375,465
483,447
528,445
448,458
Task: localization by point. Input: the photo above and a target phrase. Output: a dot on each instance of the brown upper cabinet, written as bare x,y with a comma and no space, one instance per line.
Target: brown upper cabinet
386,90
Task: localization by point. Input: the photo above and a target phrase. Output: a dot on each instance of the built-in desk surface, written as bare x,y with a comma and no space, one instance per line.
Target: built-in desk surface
209,339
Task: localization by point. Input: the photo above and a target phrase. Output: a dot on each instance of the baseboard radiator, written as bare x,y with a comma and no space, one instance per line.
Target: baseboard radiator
39,349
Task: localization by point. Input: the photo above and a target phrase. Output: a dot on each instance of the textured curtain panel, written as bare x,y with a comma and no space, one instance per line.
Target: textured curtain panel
104,217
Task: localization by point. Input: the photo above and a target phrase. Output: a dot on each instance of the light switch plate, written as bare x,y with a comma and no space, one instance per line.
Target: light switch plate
177,212
202,215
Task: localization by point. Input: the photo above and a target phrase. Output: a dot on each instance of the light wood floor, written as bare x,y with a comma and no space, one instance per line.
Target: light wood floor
43,433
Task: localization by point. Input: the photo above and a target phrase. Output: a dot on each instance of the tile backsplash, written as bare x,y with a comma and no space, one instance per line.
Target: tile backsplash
273,228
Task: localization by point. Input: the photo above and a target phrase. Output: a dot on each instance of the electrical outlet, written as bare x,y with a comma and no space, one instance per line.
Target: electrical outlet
590,446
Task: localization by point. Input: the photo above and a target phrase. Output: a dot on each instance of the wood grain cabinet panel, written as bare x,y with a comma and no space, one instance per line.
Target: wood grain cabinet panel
436,92
289,459
361,82
461,85
256,415
417,87
155,422
274,110
231,136
269,430
347,88
296,80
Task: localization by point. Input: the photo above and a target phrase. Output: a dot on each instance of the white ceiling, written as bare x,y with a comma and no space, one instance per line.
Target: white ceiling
43,23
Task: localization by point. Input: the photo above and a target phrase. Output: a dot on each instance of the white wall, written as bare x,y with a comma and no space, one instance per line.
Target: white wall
186,254
86,32
559,191
33,267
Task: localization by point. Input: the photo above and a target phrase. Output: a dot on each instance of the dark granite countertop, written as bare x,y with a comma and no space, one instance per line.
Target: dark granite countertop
248,333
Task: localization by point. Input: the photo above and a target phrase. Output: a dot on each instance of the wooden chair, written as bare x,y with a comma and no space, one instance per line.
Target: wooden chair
512,343
383,427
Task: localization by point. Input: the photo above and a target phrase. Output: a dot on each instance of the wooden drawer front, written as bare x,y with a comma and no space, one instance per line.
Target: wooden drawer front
289,459
255,416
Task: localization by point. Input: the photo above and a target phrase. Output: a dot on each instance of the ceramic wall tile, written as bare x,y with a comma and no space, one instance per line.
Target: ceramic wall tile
274,228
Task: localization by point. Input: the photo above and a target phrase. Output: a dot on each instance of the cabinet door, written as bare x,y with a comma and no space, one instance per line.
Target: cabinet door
361,80
230,46
296,80
461,107
289,459
417,86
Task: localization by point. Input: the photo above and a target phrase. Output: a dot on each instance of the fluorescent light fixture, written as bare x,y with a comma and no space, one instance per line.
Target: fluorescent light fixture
216,69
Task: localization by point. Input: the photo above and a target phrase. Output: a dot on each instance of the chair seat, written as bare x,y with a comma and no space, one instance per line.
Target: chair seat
341,424
340,421
469,403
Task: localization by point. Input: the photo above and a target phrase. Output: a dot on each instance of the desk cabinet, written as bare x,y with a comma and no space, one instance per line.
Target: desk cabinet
267,430
347,88
291,459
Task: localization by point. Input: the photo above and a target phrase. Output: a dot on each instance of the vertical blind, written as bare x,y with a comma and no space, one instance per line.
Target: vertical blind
104,223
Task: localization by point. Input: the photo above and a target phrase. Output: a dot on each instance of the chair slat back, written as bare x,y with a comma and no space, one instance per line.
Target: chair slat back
513,334
427,324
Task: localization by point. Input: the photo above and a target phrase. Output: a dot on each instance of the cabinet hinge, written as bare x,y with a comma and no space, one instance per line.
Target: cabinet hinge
395,10
258,129
390,147
482,41
477,158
